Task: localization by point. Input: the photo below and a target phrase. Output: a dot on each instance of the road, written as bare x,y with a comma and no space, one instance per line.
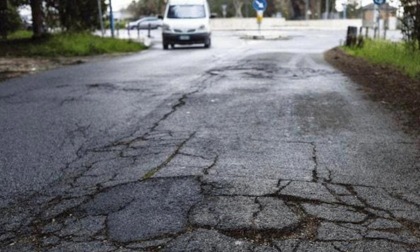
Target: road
252,145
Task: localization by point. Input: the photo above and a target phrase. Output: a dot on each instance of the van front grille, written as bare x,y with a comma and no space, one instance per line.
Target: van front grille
187,31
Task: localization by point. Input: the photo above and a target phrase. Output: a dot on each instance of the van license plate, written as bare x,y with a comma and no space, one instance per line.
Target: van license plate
184,37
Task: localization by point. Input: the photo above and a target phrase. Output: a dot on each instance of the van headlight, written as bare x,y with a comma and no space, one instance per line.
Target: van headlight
166,28
202,28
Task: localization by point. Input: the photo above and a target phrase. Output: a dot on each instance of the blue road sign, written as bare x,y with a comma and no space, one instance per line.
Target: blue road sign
378,2
260,5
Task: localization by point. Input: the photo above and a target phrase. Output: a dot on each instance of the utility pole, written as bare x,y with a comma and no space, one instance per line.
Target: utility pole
100,17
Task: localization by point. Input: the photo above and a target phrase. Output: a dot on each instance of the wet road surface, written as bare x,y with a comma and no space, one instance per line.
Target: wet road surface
248,146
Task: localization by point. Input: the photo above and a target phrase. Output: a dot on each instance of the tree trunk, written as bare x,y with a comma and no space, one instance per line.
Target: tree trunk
37,18
238,8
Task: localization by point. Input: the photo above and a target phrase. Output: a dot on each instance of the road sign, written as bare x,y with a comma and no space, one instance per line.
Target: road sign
259,5
378,2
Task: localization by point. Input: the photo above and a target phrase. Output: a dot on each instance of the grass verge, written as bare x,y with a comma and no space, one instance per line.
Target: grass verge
20,44
389,53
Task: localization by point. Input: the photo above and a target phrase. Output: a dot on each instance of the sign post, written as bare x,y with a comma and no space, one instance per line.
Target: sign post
260,15
376,16
224,12
260,6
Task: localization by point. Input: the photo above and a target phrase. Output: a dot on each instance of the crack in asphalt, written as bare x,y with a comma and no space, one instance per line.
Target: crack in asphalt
280,187
256,213
180,103
402,198
315,160
207,170
308,225
72,135
153,171
351,189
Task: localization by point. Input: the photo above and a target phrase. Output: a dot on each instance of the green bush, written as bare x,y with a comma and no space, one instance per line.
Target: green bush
9,20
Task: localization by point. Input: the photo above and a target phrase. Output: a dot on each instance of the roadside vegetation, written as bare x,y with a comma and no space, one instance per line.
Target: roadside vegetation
383,52
21,44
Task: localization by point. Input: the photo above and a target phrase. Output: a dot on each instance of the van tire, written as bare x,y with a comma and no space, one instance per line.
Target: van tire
165,46
207,44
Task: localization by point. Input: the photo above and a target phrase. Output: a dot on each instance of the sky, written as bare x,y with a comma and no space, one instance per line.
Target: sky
119,4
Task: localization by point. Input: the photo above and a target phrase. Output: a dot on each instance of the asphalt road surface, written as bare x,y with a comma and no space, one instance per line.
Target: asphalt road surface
251,145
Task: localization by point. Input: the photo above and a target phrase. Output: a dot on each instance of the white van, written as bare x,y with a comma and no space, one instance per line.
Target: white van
186,22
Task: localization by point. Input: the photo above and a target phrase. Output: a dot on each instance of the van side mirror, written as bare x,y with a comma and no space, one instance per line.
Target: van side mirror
213,15
160,16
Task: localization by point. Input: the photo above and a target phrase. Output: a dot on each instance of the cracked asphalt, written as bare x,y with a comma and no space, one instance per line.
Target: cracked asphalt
249,146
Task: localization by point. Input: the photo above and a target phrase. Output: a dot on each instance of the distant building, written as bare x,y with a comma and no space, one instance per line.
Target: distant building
387,14
121,15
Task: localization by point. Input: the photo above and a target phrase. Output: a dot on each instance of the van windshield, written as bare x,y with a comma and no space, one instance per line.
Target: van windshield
186,11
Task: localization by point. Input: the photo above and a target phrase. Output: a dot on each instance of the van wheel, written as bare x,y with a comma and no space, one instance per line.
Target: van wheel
172,46
165,46
207,44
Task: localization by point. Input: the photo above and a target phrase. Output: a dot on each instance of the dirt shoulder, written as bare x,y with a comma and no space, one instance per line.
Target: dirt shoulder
11,67
383,84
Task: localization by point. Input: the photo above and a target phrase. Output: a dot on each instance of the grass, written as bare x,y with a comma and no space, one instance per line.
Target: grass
394,54
21,44
22,34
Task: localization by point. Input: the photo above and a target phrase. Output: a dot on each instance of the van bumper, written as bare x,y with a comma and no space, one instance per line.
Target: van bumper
185,39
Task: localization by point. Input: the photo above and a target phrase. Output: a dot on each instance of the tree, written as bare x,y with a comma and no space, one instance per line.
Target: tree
9,19
37,15
353,10
146,8
73,15
238,7
70,15
37,18
411,22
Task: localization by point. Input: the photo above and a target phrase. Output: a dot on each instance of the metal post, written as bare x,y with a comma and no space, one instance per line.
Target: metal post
148,30
344,11
386,20
306,9
111,18
260,15
100,17
375,23
378,20
326,9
